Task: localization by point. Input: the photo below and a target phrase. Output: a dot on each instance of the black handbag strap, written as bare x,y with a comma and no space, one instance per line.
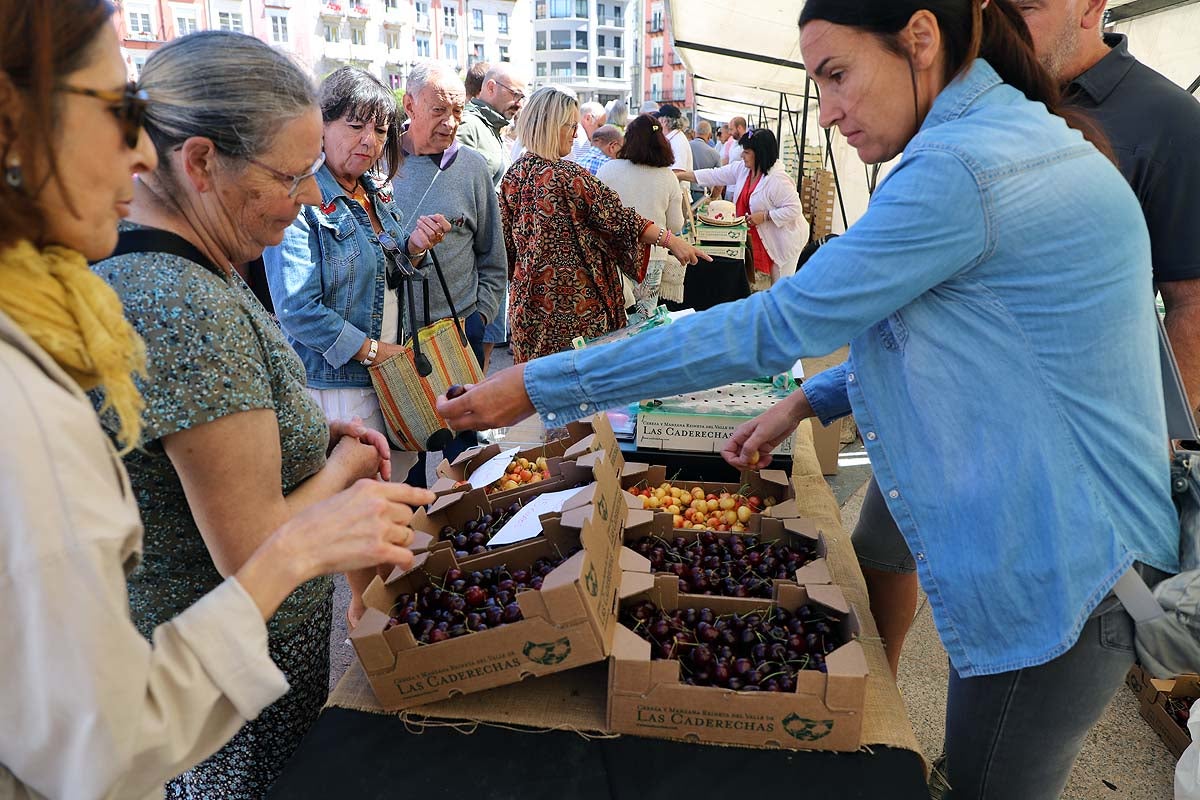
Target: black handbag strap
1181,422
155,240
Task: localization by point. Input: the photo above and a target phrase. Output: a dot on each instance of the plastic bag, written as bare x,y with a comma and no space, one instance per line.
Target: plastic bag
1187,771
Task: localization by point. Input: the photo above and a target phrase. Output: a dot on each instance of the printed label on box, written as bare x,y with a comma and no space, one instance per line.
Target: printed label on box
706,434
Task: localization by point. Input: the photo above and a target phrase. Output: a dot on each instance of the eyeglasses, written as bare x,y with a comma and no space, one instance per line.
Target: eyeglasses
294,180
128,106
517,95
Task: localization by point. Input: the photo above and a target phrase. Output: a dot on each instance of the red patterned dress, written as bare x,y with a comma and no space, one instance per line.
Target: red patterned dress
567,236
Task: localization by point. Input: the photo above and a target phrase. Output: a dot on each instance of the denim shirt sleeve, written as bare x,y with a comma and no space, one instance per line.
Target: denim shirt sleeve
294,275
926,224
826,393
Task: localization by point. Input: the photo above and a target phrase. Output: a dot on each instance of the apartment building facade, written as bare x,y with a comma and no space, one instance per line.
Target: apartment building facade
585,45
665,79
384,37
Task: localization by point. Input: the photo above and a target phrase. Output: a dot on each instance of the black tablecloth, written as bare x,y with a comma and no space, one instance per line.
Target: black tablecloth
355,754
706,285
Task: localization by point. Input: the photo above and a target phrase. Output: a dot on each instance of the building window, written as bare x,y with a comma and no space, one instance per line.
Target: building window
185,23
656,88
394,80
139,24
560,8
393,42
422,9
600,70
392,5
332,33
502,19
656,53
451,50
477,53
600,12
581,40
560,40
581,8
616,71
504,53
449,18
679,79
540,40
560,69
581,68
541,69
279,31
423,47
229,21
477,19
617,43
358,34
656,18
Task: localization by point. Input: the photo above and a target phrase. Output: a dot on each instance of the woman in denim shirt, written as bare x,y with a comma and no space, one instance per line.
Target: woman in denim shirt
1003,371
329,276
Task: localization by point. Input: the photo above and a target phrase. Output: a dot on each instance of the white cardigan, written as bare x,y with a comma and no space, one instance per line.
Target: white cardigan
785,231
88,707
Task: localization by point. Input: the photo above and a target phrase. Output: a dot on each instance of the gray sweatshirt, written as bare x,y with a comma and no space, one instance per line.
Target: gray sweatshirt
472,255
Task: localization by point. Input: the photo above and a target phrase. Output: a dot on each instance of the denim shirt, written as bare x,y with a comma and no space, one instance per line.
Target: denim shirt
327,279
1003,370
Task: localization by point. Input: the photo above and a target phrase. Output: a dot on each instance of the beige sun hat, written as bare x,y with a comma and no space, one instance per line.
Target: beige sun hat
720,212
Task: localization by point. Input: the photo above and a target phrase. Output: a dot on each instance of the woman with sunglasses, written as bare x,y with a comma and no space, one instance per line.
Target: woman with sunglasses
329,276
232,444
90,707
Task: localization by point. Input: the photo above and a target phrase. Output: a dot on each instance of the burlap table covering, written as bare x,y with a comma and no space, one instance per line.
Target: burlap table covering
575,700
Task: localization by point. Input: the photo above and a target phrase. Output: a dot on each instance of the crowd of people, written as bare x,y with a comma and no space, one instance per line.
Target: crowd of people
195,446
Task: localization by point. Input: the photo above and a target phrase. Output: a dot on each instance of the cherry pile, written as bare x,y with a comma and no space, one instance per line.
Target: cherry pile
472,539
469,602
733,566
758,651
521,472
1180,708
692,509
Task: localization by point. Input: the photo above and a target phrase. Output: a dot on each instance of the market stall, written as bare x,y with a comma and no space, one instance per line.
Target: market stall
550,736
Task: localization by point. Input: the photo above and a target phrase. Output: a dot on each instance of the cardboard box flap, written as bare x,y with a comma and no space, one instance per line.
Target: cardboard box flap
576,517
632,501
580,448
421,542
584,497
632,561
368,641
638,517
628,646
829,596
465,457
562,603
802,527
814,572
777,477
786,509
634,582
846,679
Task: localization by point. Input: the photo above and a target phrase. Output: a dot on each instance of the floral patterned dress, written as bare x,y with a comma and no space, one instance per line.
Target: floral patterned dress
568,238
212,350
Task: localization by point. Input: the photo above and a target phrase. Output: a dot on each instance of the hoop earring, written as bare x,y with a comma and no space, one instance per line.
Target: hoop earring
12,173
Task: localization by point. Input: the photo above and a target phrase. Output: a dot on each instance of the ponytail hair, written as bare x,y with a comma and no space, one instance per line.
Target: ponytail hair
990,29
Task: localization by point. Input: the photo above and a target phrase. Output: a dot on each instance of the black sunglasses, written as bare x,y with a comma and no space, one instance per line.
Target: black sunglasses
128,106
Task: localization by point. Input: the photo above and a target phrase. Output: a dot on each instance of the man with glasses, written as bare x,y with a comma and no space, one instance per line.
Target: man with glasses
488,114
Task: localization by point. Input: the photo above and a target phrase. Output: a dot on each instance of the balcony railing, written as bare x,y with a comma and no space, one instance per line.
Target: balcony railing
611,52
654,27
332,10
359,11
654,62
611,22
423,22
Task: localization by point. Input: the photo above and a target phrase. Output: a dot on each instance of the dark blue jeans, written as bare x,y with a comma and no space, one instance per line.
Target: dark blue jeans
473,327
1017,734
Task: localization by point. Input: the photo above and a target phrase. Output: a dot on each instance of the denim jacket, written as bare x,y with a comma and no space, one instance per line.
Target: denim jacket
328,278
1003,370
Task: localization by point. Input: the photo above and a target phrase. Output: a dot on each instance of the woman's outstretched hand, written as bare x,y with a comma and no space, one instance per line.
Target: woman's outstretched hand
499,401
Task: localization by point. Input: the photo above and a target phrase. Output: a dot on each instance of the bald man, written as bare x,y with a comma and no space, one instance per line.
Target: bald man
591,117
607,140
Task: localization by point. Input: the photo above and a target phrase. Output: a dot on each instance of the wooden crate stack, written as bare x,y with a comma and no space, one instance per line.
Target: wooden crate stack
818,193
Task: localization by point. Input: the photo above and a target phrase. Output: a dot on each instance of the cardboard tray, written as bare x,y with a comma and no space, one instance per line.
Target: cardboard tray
646,697
566,624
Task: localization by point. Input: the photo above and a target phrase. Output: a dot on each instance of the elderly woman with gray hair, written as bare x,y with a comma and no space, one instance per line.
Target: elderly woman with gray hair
569,238
329,276
232,445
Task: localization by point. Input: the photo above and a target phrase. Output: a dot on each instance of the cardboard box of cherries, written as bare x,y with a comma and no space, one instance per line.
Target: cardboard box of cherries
544,605
785,672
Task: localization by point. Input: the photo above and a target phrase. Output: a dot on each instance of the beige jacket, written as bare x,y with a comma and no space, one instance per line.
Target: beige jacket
88,708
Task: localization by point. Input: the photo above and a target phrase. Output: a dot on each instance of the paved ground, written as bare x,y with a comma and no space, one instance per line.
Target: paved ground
1123,758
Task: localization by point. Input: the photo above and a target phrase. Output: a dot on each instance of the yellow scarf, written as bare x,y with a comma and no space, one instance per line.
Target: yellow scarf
77,318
